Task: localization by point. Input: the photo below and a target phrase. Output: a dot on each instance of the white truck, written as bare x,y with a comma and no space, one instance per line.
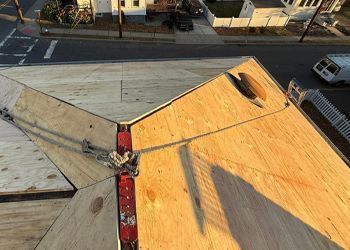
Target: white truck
334,68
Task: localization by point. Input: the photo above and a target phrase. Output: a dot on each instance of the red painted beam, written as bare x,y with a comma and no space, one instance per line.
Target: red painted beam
126,195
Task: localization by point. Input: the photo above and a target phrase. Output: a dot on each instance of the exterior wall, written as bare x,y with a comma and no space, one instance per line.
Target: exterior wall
132,13
304,9
129,9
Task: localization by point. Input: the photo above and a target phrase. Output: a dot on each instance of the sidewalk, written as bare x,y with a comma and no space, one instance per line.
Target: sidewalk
286,40
110,35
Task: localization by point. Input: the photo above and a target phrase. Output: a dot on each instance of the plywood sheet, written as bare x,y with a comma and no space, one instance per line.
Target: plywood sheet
23,167
88,222
10,91
66,120
23,224
223,173
121,91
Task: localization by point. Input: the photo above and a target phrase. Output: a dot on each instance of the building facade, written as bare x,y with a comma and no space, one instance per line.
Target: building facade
134,11
304,9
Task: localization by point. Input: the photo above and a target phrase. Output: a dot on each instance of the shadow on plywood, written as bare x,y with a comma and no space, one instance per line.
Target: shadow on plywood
228,207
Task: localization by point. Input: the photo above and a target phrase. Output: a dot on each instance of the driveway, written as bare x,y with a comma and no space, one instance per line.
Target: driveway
202,33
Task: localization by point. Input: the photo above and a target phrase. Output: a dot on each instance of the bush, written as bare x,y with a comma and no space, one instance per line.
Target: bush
211,1
50,10
252,29
54,11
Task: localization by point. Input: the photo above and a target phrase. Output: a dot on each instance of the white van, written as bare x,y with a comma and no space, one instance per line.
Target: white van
334,68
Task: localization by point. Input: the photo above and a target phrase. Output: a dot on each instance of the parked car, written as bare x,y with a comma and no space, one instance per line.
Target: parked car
193,7
334,68
183,22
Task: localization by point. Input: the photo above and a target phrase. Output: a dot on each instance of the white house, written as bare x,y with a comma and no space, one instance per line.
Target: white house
262,9
133,10
264,13
304,9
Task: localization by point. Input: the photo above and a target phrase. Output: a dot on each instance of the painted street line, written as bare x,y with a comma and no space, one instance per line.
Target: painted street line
7,37
4,54
22,61
50,50
21,37
32,46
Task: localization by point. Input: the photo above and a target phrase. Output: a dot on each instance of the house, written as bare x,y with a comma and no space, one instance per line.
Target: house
218,169
134,11
304,9
264,13
262,9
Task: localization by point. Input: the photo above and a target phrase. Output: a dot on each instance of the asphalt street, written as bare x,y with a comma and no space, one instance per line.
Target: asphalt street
283,61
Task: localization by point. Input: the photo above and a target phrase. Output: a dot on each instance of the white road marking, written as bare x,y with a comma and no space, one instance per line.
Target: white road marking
21,37
22,61
50,50
4,54
7,37
32,46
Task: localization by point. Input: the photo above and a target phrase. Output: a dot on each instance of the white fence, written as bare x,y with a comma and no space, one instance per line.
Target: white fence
236,22
331,113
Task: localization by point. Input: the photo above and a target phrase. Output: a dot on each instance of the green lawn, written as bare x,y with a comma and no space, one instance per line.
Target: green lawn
225,9
345,11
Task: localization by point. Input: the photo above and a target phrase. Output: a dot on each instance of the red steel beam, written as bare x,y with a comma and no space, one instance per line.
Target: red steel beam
126,196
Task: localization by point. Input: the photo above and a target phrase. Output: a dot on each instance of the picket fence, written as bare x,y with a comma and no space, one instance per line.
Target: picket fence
330,112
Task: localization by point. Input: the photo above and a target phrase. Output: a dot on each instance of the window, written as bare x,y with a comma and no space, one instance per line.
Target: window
333,69
290,1
122,3
302,3
325,62
136,3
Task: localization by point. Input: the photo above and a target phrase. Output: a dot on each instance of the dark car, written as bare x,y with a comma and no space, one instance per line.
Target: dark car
183,22
193,7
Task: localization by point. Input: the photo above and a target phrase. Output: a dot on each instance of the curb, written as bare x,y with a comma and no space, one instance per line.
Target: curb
108,38
293,43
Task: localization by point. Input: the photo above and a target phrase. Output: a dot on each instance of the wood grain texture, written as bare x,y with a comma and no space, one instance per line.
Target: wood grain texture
23,167
10,90
222,173
65,119
23,224
88,222
120,91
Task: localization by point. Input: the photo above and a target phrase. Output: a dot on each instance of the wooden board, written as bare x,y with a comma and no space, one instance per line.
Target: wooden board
23,224
23,167
10,91
67,120
121,91
88,222
222,173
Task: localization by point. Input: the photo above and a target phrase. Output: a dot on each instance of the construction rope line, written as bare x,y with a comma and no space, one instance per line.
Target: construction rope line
128,162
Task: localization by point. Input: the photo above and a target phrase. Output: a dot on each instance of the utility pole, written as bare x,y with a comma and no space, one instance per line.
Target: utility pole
19,11
120,18
312,20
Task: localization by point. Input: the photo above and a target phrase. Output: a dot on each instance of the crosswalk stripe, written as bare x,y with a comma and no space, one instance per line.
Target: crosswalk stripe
50,50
